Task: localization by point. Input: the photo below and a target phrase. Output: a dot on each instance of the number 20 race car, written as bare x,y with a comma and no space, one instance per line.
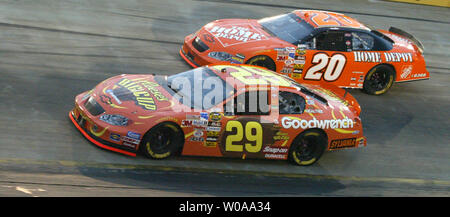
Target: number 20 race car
237,111
312,46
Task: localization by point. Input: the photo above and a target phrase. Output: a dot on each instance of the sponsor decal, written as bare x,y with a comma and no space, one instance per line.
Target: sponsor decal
236,60
314,111
198,132
275,156
142,92
131,145
419,75
275,150
215,116
406,71
214,129
212,133
210,144
376,57
204,115
343,143
200,123
287,69
114,137
295,123
130,140
196,123
209,38
371,57
231,34
281,136
214,124
186,123
133,135
212,139
398,57
197,139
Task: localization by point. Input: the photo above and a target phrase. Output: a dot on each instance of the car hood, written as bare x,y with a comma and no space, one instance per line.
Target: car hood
132,95
244,34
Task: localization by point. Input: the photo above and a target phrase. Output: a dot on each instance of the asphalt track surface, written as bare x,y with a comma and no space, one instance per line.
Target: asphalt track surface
52,50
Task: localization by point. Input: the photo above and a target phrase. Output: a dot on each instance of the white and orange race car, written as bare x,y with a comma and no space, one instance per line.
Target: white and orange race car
233,111
312,46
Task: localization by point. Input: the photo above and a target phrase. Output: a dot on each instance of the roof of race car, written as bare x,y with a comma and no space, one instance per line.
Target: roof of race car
328,19
251,76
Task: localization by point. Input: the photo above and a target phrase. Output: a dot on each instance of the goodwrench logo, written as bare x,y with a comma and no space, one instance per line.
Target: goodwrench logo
296,123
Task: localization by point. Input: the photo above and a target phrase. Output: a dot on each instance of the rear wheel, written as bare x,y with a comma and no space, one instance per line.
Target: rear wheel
378,80
263,61
308,147
162,141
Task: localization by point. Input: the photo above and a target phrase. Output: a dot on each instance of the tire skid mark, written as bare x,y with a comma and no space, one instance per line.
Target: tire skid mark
339,11
82,55
86,33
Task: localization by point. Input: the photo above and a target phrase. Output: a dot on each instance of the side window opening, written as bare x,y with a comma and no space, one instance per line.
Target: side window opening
249,103
362,41
331,40
291,103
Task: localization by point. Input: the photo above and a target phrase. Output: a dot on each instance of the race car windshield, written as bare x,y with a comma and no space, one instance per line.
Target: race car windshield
288,27
199,88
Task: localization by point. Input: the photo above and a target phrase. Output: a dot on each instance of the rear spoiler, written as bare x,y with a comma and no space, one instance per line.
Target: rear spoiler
408,36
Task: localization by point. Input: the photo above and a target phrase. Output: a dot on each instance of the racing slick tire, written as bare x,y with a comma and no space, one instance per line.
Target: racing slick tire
379,80
308,147
263,61
163,140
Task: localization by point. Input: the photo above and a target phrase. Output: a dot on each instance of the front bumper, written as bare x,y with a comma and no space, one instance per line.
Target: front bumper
85,125
193,57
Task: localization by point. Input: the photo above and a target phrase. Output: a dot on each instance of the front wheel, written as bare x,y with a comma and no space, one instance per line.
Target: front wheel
308,147
263,61
379,80
162,141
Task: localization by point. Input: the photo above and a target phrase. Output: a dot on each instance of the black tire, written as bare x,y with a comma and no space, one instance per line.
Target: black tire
308,147
263,61
163,140
379,80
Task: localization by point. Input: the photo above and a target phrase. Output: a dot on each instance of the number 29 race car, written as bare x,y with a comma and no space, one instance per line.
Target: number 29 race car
236,111
312,46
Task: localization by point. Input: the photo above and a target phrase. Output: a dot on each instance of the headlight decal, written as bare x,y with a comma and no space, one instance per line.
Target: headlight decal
117,120
222,56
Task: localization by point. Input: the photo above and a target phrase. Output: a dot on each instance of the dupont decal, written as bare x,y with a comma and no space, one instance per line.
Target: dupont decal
232,34
295,123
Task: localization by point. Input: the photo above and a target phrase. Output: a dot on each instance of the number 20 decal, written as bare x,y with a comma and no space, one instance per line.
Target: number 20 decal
333,66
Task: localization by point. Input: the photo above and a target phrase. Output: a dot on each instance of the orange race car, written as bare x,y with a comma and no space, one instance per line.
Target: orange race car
222,110
311,46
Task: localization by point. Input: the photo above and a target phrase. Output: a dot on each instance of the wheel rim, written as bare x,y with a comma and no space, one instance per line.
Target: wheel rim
378,80
161,139
306,148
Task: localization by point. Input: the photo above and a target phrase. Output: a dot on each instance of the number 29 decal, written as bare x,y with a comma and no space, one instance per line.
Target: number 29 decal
253,134
328,68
